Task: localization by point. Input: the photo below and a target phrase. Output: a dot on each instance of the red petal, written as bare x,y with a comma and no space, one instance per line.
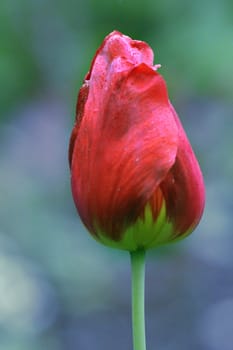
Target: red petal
82,97
183,187
127,140
117,45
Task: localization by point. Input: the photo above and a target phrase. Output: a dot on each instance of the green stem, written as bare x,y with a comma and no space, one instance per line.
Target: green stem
138,300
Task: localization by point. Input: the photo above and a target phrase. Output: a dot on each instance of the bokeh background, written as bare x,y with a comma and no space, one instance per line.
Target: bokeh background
59,289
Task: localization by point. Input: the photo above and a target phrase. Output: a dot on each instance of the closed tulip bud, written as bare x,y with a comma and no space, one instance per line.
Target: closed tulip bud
135,180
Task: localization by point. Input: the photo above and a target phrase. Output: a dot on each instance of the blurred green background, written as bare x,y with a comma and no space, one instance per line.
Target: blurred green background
59,289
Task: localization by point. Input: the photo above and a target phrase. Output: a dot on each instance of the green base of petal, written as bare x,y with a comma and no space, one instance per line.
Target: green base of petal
145,233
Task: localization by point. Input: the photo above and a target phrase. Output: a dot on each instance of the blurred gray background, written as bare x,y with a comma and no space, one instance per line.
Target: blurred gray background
59,289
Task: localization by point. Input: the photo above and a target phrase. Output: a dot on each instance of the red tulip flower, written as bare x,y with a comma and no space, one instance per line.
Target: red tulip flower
135,180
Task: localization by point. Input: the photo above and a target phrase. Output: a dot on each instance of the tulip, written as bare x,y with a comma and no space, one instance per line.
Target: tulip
135,180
